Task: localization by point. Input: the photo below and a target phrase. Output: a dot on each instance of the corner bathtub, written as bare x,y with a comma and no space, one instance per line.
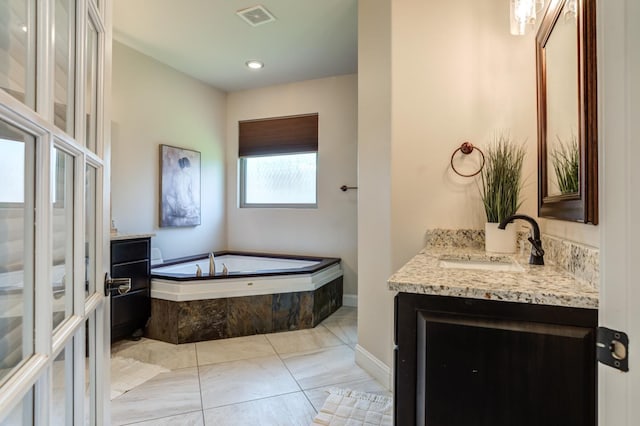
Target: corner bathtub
262,293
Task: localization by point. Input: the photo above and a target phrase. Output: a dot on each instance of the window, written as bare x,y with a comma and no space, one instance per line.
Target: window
12,170
278,162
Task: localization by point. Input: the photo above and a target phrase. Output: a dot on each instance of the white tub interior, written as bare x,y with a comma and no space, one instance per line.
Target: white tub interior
236,264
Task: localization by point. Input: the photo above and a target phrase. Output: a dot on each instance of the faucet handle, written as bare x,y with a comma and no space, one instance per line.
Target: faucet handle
537,245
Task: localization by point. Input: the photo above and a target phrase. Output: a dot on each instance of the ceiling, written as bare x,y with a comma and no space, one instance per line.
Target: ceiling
208,41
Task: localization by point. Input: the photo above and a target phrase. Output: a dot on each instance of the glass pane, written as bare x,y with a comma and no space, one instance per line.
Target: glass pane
18,49
281,179
90,231
22,414
64,89
17,172
62,189
89,372
62,396
91,95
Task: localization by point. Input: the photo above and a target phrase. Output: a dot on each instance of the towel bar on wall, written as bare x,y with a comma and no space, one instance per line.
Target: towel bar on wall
467,148
345,188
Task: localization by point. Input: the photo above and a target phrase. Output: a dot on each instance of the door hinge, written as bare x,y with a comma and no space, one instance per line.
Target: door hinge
613,348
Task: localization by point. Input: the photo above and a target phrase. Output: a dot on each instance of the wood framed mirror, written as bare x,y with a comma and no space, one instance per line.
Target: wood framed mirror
567,115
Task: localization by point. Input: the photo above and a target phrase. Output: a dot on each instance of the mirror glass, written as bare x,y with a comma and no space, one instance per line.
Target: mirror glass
563,156
567,119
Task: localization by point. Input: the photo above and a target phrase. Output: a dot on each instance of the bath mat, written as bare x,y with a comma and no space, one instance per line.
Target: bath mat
346,407
127,373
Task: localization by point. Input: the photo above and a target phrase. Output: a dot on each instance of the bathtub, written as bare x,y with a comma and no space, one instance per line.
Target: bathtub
249,274
262,293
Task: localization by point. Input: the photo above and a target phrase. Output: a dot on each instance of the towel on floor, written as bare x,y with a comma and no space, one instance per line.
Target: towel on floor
345,407
128,373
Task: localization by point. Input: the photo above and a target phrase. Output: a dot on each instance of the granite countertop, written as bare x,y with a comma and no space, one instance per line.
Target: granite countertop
117,237
544,285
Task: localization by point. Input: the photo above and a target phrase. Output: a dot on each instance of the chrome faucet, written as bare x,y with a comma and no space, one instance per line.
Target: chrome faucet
537,253
212,264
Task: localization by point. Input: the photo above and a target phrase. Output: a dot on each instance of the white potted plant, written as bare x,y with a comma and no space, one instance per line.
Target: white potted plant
501,184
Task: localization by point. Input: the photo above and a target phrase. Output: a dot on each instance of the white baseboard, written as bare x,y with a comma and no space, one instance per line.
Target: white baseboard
350,300
372,365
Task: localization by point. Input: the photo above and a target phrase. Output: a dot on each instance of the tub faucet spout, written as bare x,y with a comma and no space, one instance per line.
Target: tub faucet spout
212,264
537,252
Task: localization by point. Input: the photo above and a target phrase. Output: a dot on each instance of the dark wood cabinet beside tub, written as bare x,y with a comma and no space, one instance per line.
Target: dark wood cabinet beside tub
130,258
472,362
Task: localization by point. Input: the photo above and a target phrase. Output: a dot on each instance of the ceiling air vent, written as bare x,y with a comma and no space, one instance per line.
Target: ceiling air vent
256,15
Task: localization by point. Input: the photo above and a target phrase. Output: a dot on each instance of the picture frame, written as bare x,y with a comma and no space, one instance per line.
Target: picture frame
180,175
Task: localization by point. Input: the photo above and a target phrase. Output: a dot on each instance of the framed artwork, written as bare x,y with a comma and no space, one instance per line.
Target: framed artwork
179,187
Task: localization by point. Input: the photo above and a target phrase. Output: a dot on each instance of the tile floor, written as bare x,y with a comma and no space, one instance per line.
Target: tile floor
269,379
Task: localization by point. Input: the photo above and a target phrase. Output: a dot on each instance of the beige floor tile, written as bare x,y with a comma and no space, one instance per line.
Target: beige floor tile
167,394
303,340
344,313
345,331
151,351
318,396
224,350
344,324
195,418
324,367
285,410
239,381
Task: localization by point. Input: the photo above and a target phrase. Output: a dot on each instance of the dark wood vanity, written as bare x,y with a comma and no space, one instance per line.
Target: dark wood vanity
473,362
130,258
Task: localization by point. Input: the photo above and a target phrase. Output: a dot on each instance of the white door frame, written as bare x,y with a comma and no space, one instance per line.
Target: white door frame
618,29
36,372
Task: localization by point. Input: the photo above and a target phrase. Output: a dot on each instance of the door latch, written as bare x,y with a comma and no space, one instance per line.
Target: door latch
122,285
613,348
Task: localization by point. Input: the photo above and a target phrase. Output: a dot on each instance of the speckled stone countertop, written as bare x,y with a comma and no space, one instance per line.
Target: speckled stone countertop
543,285
118,237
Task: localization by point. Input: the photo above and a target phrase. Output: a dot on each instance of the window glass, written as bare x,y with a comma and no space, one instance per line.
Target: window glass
90,231
17,201
62,172
64,89
18,49
91,95
90,371
62,395
22,414
280,179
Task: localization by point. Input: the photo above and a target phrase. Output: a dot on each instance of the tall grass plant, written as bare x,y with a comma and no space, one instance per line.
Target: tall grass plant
501,178
566,163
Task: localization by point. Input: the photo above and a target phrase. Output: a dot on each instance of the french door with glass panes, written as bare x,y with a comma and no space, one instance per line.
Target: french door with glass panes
54,174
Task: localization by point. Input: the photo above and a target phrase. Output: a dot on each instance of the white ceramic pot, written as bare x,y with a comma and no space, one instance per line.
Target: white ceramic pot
499,240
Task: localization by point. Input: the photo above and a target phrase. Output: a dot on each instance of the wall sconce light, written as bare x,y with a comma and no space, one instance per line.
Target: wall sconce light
523,15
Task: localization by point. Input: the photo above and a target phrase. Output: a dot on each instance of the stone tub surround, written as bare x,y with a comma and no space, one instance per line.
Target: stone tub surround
547,285
199,320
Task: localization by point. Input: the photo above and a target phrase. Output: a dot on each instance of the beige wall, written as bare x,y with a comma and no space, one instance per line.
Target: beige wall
152,105
456,74
329,230
375,310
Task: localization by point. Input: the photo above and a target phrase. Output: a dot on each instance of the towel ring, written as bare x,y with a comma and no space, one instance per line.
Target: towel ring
467,148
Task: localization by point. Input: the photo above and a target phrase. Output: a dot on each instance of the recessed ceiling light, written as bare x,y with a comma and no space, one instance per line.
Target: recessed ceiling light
255,65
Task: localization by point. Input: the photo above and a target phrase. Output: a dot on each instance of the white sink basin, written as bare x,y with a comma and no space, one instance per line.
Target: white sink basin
482,265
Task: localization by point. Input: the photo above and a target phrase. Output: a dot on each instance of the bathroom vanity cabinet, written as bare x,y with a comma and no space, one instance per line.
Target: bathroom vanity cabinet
462,361
130,258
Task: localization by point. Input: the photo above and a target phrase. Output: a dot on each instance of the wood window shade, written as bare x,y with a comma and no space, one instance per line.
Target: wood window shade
282,135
